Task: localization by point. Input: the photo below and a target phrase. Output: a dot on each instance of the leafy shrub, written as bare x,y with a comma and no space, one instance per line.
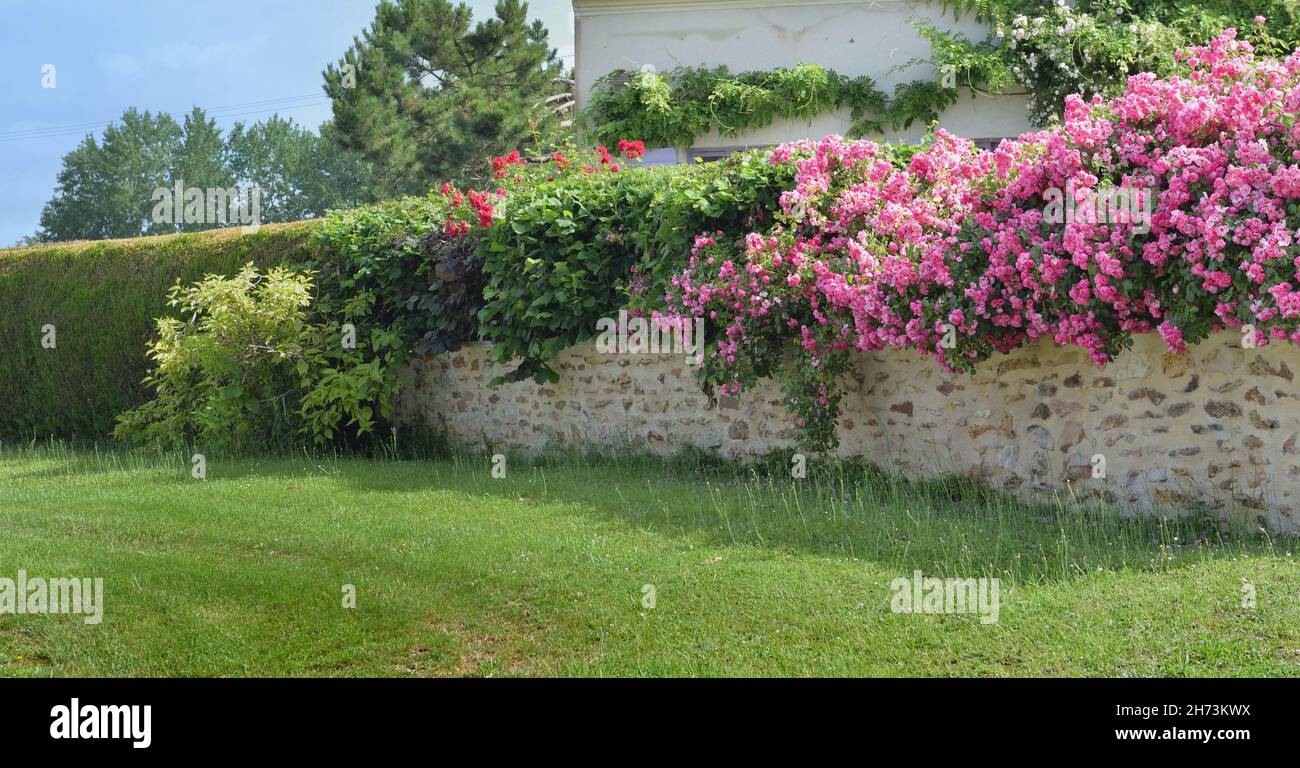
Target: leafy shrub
247,367
419,257
578,247
561,260
251,369
102,298
425,281
406,274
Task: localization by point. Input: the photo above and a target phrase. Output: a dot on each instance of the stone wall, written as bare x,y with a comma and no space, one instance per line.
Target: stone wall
1216,426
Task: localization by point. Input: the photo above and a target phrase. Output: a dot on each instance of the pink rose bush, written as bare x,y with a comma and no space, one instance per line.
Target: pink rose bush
960,252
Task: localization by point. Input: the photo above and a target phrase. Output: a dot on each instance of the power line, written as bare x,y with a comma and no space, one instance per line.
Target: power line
233,110
227,107
230,110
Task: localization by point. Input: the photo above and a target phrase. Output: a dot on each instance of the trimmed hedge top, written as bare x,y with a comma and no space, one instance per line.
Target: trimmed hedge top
101,298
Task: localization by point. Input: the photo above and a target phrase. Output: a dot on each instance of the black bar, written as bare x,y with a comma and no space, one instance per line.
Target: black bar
309,717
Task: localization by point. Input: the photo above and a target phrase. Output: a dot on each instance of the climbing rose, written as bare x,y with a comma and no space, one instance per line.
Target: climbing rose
961,253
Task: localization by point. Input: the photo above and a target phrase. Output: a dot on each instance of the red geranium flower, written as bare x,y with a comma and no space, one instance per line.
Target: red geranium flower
631,149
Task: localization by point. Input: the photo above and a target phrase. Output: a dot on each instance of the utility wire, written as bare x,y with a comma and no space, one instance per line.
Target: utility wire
230,110
214,110
227,107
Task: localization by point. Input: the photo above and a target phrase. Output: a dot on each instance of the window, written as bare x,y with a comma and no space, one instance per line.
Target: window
712,154
659,156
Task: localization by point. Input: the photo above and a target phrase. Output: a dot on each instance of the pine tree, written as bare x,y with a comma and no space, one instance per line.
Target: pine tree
426,94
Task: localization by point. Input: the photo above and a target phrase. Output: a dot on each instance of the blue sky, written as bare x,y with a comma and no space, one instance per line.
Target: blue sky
252,57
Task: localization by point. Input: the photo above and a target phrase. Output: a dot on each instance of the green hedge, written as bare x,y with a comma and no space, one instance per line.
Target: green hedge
102,297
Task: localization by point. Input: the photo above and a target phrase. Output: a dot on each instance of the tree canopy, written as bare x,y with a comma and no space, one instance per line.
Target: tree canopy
425,93
106,186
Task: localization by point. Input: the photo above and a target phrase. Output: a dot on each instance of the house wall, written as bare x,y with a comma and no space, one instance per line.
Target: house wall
1217,426
874,38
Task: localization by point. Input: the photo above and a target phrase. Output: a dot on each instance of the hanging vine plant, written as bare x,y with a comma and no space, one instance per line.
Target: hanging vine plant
673,108
1048,48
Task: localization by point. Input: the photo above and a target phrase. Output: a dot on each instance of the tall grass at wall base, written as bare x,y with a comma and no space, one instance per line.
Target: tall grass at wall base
102,298
969,519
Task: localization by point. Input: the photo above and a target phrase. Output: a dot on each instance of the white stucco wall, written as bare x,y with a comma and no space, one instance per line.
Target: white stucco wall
870,37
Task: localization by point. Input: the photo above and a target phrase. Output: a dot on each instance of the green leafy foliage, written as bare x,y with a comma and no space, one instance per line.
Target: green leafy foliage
672,109
245,366
104,188
1043,46
977,67
580,247
102,298
300,174
560,262
408,286
1092,46
427,285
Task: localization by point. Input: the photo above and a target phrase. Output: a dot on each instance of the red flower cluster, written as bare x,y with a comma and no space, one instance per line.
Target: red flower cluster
460,218
631,149
482,206
456,226
501,163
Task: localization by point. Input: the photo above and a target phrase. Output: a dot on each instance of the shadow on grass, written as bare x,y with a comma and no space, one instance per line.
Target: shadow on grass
947,527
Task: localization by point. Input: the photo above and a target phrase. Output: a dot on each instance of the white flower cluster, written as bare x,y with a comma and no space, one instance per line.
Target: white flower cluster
1059,50
1048,43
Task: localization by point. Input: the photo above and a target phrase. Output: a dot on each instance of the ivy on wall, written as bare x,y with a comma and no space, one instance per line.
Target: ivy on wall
671,109
1047,47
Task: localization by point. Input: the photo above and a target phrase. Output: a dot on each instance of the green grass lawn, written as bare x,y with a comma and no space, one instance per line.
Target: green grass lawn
542,573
